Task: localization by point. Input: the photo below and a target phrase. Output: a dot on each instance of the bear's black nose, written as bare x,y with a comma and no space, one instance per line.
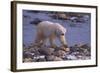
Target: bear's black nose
62,34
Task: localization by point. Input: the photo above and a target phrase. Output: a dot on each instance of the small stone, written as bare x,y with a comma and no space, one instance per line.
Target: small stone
32,50
64,48
50,58
27,60
60,53
58,59
71,57
39,58
27,54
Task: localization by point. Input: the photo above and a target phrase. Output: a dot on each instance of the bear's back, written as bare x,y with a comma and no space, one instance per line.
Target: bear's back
46,27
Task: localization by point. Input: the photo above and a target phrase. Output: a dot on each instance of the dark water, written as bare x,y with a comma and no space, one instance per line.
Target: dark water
77,32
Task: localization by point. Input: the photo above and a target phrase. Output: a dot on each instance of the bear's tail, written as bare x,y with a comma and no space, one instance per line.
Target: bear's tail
36,21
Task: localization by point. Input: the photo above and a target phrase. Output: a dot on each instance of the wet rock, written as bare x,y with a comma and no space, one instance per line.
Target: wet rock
39,58
26,16
53,58
60,53
46,51
73,49
61,16
71,57
27,60
27,54
36,21
58,59
80,57
50,58
65,49
34,50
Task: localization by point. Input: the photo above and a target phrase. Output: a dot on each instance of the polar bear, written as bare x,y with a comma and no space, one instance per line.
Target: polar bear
50,30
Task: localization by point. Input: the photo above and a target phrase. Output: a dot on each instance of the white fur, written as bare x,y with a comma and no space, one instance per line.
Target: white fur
48,28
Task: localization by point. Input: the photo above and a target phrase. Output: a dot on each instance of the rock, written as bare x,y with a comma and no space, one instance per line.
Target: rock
26,16
46,51
34,50
75,53
65,49
71,57
57,58
27,60
80,57
74,48
60,53
50,58
27,54
53,58
39,58
61,16
36,21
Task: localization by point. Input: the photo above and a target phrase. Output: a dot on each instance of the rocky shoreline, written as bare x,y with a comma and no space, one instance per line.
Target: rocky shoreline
46,53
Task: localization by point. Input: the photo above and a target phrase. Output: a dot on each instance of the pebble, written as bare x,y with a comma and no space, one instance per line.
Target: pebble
58,59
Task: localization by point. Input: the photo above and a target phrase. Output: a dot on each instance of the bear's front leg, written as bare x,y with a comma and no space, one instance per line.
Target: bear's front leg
51,39
63,41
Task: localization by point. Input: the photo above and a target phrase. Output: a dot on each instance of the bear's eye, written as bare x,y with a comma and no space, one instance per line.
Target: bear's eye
62,34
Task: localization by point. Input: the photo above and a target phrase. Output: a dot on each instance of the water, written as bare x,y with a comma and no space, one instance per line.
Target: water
77,32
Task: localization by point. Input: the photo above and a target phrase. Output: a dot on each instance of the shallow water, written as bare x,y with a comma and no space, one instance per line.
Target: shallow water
80,33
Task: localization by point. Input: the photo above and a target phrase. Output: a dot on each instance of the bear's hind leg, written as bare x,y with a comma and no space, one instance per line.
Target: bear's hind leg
39,40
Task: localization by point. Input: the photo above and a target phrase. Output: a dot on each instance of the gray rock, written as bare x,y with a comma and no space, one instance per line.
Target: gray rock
38,58
60,53
71,57
27,60
41,60
58,59
27,54
50,58
46,51
34,50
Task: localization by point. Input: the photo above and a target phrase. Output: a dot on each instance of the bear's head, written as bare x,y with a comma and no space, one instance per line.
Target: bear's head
60,30
60,33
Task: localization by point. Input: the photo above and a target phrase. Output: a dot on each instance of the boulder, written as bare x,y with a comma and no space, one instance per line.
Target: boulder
50,58
46,51
58,59
71,57
27,60
27,54
60,53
